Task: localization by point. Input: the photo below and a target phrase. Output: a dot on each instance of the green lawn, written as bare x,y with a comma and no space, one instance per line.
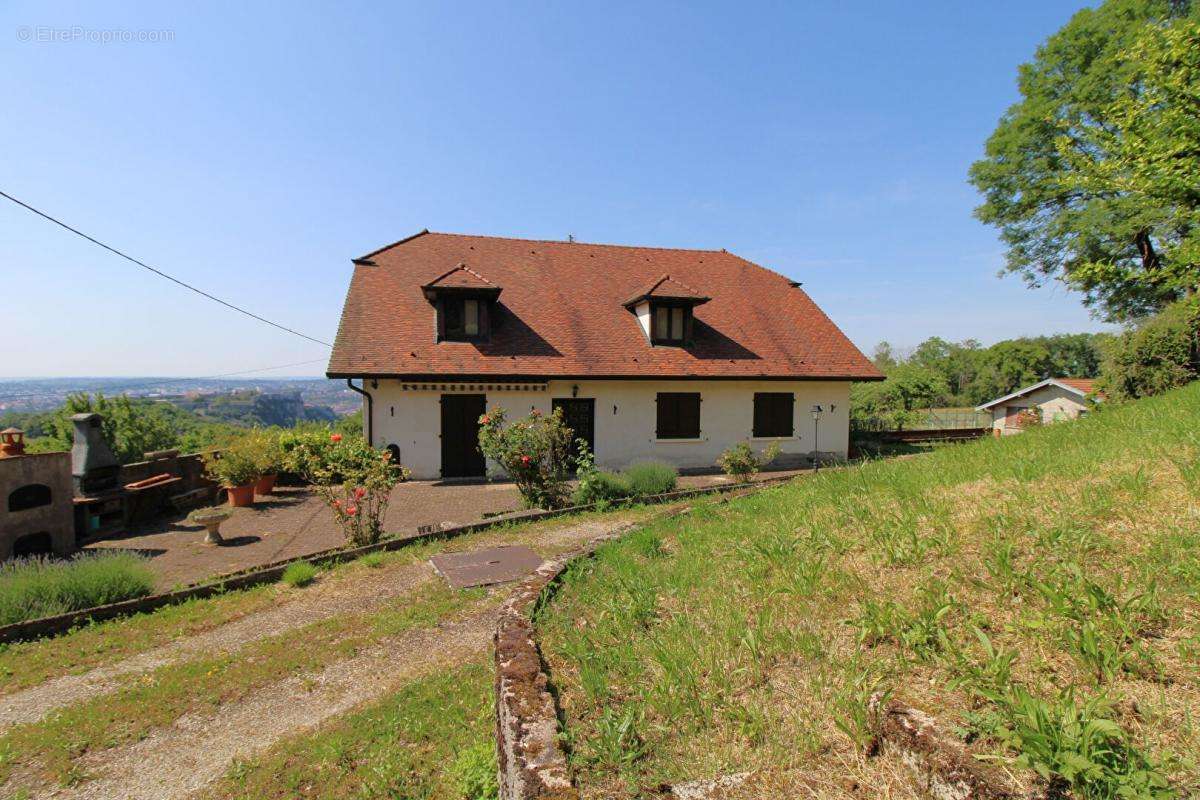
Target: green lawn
1039,593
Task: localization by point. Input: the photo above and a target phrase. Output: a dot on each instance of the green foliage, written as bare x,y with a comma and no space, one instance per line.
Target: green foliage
1090,176
533,451
1161,354
650,477
602,487
299,574
908,387
39,587
237,464
741,463
130,428
473,772
354,479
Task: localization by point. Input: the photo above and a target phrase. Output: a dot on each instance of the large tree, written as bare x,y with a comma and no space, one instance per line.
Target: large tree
1090,176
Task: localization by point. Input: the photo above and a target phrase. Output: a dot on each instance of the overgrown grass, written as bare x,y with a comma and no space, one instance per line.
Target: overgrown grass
1040,592
651,477
41,587
430,740
299,574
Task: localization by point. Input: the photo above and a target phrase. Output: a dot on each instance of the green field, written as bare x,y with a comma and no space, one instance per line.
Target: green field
1040,594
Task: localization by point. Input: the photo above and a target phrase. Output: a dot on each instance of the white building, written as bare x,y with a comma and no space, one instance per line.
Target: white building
651,353
1051,400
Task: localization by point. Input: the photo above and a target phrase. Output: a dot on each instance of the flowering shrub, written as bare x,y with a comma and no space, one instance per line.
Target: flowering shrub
534,451
741,463
1029,417
354,479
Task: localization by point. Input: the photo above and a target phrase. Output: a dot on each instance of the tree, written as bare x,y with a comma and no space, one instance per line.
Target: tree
1086,176
130,429
908,387
1160,354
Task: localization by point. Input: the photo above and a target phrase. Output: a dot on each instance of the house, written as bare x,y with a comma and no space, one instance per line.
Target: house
651,353
1051,400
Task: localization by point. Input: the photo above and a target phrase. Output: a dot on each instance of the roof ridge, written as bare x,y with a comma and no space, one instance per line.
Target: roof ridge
560,241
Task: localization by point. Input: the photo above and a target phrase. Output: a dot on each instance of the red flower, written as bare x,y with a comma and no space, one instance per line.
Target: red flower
335,437
525,461
359,493
485,419
337,503
535,413
351,510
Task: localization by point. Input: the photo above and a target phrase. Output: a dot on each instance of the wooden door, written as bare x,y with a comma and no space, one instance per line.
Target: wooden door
461,457
579,414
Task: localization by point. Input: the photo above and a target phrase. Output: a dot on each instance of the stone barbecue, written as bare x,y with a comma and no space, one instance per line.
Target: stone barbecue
35,500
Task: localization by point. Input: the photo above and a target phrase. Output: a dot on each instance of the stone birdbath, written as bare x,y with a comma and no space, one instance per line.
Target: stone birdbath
211,519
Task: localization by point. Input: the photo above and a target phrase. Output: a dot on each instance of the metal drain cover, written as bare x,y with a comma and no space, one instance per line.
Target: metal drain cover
487,566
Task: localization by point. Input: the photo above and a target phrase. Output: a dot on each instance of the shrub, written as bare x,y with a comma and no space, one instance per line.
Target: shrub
740,462
534,451
355,480
602,487
41,587
473,772
265,449
1161,354
236,465
301,573
650,477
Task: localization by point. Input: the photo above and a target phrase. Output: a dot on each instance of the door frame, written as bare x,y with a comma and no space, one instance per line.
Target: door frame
591,402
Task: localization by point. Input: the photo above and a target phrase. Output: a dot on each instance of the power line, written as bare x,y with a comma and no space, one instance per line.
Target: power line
127,387
160,273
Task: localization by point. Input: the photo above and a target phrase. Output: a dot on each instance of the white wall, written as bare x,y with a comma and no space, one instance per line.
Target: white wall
626,418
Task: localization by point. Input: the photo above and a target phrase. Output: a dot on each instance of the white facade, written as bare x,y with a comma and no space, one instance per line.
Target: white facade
408,415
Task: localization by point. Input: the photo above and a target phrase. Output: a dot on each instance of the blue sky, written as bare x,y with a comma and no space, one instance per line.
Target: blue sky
257,147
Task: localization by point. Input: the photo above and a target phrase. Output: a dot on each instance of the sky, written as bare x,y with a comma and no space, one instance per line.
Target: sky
254,148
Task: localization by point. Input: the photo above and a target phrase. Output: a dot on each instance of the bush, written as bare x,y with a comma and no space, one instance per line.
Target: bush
534,451
740,463
1162,354
355,480
299,574
41,587
650,477
236,465
601,487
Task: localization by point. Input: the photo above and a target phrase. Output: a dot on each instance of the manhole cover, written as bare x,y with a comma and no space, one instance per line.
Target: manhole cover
487,566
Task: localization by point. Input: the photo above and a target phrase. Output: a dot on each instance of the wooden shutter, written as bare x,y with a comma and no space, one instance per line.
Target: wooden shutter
774,413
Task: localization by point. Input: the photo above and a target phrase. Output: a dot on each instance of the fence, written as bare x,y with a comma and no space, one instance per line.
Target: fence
929,419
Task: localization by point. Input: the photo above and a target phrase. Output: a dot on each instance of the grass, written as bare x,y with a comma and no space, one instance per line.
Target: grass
1039,593
299,574
432,740
156,699
42,587
650,477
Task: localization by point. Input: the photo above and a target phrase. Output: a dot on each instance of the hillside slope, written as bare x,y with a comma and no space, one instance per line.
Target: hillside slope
1039,594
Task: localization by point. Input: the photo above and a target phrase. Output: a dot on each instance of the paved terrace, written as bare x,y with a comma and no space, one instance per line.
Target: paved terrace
295,522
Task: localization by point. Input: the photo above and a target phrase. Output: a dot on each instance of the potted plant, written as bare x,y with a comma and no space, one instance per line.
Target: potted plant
268,456
235,468
211,519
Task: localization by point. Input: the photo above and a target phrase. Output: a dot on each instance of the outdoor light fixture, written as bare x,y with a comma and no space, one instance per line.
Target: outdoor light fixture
575,390
816,412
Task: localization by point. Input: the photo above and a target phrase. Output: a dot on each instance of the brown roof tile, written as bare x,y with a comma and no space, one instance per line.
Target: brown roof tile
561,315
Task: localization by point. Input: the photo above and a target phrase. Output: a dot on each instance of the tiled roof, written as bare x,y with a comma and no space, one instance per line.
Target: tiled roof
461,277
1085,385
561,315
667,288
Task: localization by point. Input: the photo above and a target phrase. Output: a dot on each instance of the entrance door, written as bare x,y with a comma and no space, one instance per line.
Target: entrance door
579,414
461,457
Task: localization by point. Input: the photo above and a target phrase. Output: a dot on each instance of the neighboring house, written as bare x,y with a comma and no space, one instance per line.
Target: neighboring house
651,353
1054,399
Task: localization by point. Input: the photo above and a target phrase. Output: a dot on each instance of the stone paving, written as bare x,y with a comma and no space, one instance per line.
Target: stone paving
294,522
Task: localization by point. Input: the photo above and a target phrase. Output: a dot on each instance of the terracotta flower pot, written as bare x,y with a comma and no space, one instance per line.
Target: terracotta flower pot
266,484
241,495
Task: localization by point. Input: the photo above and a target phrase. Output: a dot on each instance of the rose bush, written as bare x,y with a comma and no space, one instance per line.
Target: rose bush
354,479
534,451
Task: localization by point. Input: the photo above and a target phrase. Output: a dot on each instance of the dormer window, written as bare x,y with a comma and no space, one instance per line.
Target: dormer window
462,301
665,311
671,324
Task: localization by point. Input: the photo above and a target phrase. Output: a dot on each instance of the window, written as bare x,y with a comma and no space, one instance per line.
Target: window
462,319
678,415
672,324
773,413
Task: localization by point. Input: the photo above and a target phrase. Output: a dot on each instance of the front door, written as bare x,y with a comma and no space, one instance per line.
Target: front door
580,416
461,457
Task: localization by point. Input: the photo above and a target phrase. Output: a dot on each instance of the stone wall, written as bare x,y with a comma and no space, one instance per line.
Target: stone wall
39,477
